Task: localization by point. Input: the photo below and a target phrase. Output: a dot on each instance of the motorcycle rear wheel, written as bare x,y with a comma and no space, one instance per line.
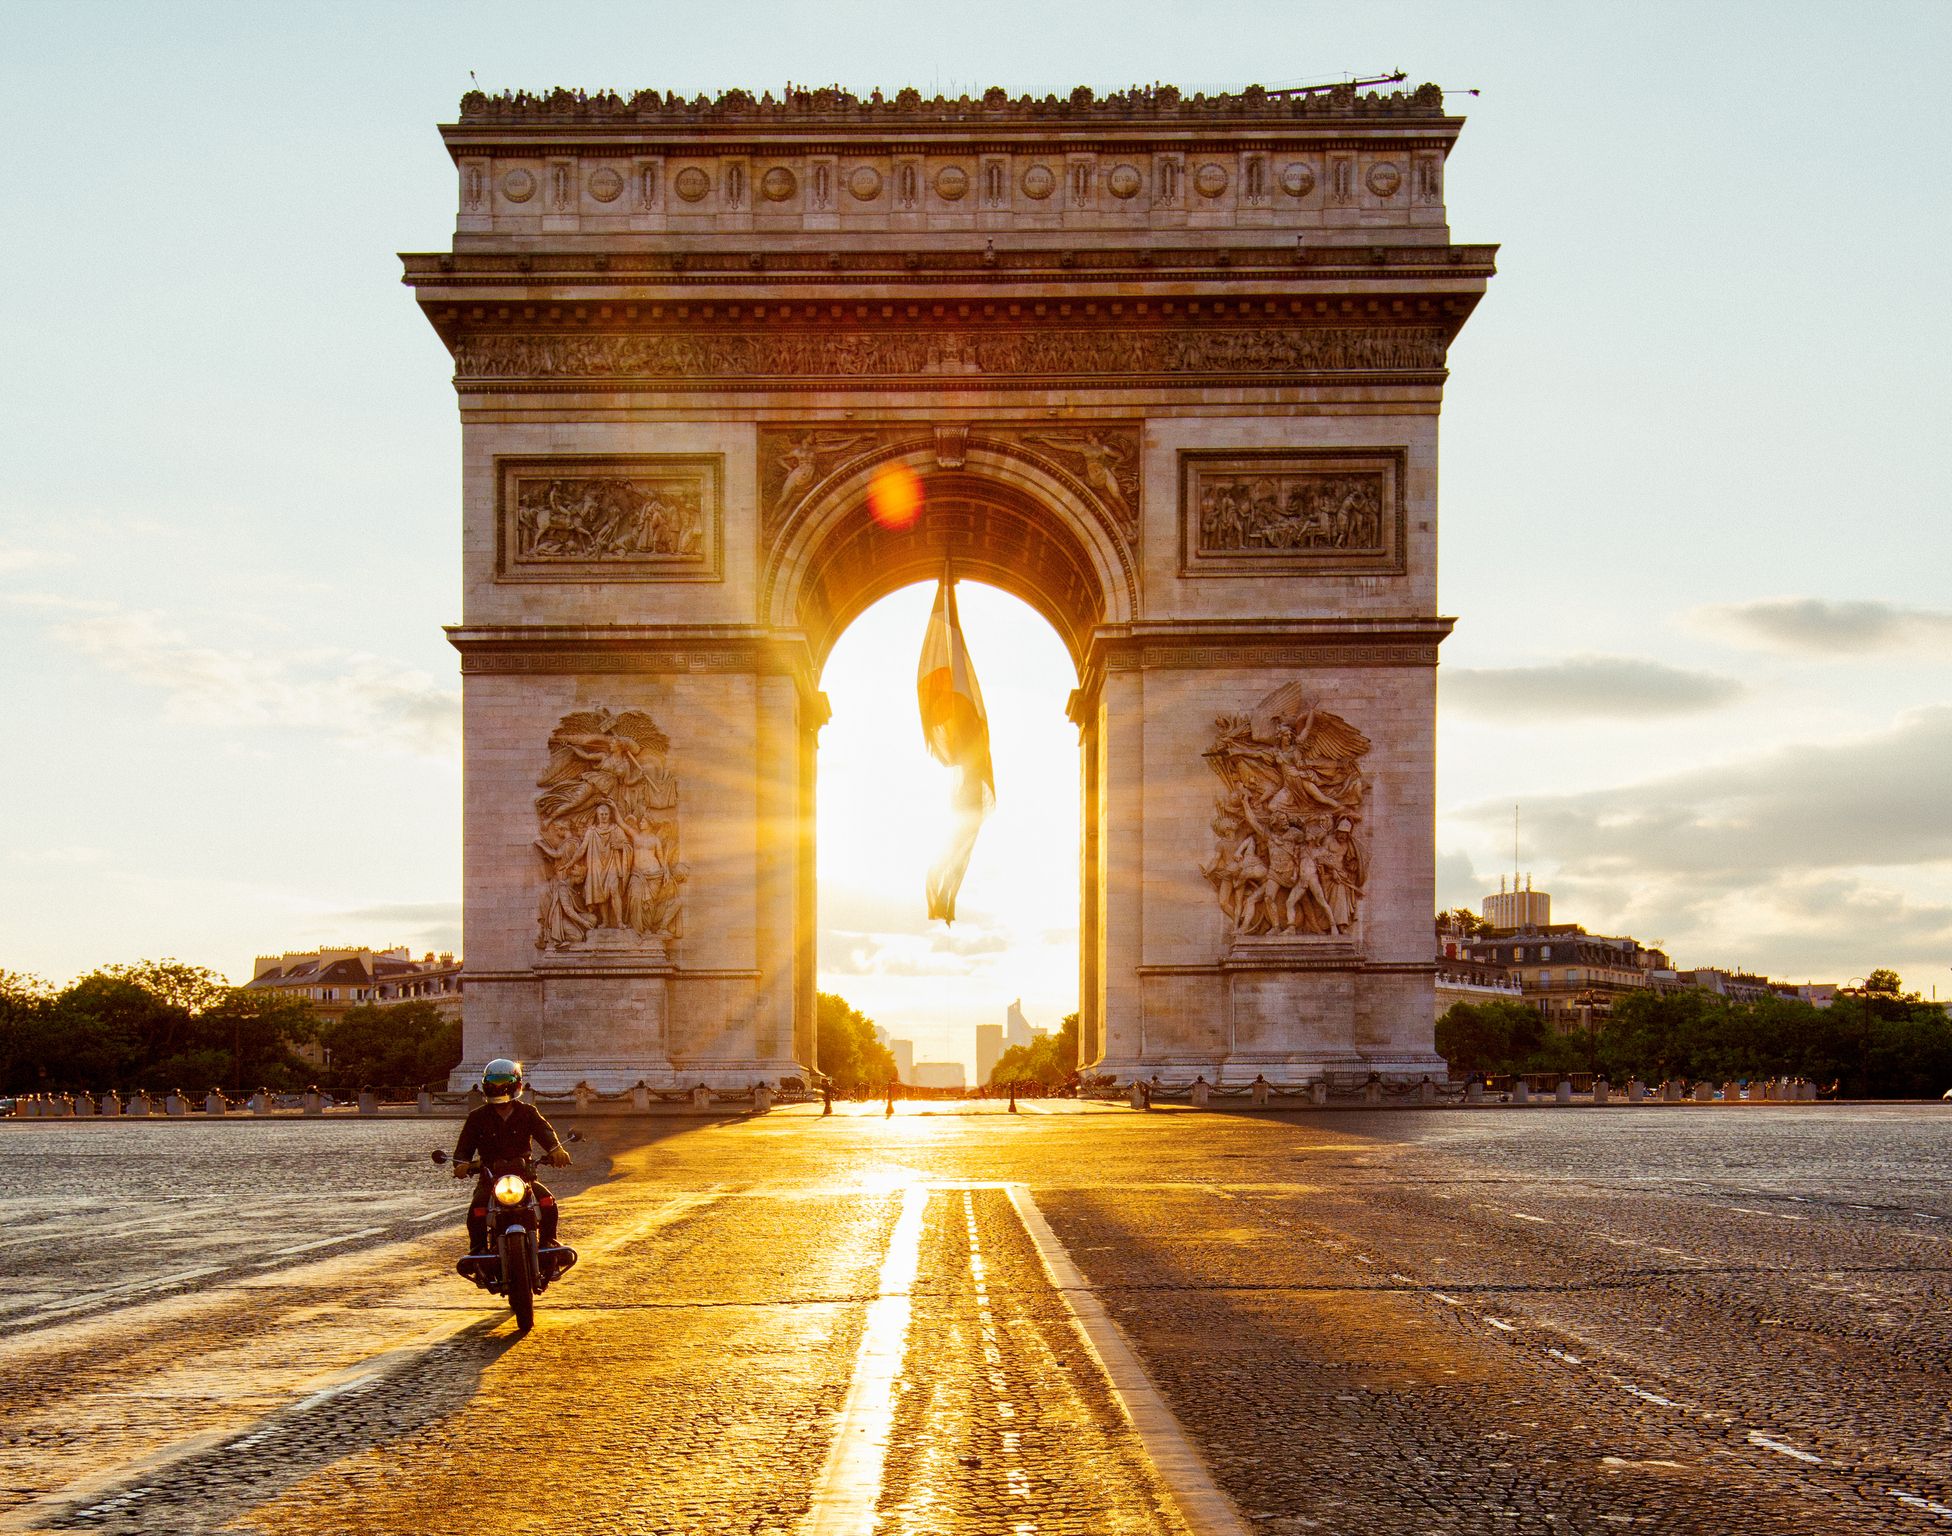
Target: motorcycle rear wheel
518,1279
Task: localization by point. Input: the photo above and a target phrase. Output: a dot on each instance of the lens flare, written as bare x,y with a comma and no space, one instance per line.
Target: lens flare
894,496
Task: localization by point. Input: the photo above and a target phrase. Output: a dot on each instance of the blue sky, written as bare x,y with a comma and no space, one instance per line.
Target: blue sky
1694,485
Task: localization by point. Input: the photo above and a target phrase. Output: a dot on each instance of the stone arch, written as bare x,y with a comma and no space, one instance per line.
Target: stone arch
1004,519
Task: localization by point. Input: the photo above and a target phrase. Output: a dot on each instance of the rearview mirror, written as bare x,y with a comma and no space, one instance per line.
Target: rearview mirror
438,1155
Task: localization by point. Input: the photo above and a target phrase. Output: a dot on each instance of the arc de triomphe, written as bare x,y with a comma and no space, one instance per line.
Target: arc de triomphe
1167,367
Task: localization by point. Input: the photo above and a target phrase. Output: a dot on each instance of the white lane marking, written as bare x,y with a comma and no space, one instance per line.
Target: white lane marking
1560,1354
325,1242
117,1293
1756,1437
1648,1397
1501,1325
1539,1219
1930,1506
1449,1301
1204,1508
326,1394
850,1484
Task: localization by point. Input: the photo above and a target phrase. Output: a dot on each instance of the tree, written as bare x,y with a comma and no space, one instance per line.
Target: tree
154,1024
1489,1038
1048,1059
398,1045
845,1046
1467,922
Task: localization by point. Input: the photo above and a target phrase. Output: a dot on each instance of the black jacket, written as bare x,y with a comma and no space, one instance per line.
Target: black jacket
485,1134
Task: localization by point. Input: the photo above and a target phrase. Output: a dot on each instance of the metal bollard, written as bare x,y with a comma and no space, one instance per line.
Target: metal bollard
1474,1091
1521,1091
213,1103
762,1098
313,1101
369,1102
1563,1093
1602,1091
111,1103
173,1104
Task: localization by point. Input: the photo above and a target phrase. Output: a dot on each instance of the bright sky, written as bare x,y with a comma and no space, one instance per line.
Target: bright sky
1694,514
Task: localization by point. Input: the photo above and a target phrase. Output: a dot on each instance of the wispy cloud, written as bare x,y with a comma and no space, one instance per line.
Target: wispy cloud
352,696
1818,626
1769,860
1588,687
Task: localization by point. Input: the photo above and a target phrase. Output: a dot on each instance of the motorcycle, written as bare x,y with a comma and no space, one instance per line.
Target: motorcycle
516,1265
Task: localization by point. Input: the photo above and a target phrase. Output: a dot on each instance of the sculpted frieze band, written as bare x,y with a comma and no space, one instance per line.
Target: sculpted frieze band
950,356
1290,848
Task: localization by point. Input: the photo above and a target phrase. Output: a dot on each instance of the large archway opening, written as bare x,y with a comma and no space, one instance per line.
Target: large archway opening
1045,570
883,813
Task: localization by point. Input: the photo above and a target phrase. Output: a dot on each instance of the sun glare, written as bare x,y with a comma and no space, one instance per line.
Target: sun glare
884,814
894,496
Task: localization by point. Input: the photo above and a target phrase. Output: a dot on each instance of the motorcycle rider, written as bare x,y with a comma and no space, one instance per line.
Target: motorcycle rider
498,1132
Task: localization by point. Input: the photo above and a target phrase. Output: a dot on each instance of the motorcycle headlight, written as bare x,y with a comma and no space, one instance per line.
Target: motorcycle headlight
510,1188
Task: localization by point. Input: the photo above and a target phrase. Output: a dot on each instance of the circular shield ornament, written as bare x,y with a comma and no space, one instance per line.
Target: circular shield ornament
865,183
1039,182
1125,181
1297,180
606,186
778,184
1210,180
951,183
1384,178
691,184
518,186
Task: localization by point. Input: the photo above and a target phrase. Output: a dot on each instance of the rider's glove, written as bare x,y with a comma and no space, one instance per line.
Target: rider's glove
558,1157
463,1170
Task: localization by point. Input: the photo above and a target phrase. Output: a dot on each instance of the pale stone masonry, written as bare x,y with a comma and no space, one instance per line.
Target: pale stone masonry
1168,368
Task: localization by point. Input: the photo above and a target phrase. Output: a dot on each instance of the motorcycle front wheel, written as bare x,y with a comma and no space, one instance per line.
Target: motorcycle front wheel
518,1278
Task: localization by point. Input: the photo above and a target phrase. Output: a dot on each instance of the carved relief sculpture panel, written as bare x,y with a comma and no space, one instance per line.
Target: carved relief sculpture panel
626,517
1290,847
1315,511
608,836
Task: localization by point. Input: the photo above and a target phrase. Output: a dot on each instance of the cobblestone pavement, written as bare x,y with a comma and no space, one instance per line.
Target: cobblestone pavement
1674,1319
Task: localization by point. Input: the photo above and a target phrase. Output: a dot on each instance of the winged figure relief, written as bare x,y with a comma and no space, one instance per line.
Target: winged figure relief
609,830
1289,854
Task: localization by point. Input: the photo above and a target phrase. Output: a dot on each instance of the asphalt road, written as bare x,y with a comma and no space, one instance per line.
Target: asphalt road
1673,1319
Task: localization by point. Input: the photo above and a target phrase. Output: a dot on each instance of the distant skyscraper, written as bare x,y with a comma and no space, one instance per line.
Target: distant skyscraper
1016,1028
904,1054
989,1047
1518,909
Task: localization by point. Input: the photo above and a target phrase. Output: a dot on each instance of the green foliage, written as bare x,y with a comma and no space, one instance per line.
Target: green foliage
1877,1043
1465,921
399,1045
155,1024
1048,1059
845,1045
1490,1037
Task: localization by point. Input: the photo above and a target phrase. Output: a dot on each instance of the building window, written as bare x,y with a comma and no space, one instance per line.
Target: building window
1518,955
1545,978
1545,951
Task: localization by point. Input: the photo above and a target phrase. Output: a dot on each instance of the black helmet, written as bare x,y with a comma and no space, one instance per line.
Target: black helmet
501,1079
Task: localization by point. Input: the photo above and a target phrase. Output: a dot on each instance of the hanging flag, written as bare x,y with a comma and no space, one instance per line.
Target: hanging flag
958,735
